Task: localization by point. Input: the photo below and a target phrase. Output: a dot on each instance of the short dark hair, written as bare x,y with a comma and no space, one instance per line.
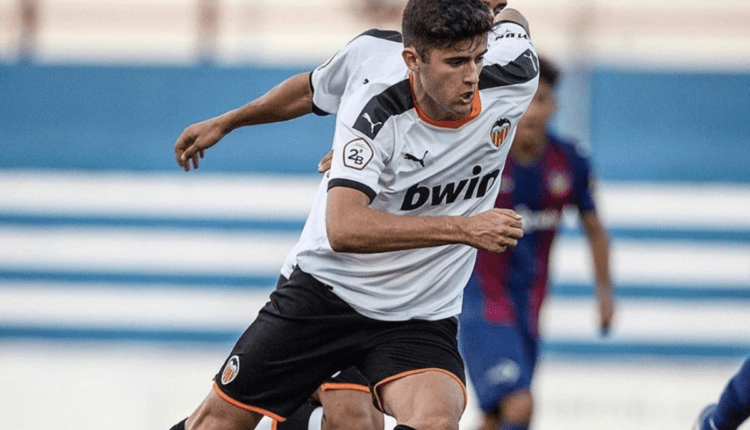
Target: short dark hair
548,71
428,24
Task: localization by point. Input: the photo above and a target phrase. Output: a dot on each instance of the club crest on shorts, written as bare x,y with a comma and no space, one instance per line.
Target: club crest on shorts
231,369
500,131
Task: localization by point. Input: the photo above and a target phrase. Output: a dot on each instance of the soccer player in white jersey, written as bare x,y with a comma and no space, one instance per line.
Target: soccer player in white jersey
385,251
344,395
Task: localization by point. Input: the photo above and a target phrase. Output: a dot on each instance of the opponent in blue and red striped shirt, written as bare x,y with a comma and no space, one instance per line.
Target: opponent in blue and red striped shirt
500,317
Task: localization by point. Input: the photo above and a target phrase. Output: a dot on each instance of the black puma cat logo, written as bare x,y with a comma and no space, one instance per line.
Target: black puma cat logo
413,158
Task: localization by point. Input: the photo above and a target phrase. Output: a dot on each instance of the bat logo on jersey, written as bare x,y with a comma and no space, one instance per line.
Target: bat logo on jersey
357,154
366,116
413,158
559,184
500,131
231,370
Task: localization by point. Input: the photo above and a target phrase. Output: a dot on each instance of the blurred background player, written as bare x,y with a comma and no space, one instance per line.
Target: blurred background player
499,331
734,404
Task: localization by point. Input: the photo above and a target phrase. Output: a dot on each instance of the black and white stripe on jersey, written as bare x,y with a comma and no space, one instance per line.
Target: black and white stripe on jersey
393,101
392,35
397,99
522,69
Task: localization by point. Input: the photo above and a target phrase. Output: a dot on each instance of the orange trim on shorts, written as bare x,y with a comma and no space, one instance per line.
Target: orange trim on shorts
476,109
414,372
326,386
247,407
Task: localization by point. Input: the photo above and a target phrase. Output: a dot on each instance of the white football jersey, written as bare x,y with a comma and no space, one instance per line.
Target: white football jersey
412,165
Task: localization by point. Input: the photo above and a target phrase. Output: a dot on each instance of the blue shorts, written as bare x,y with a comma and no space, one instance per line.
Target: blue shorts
500,359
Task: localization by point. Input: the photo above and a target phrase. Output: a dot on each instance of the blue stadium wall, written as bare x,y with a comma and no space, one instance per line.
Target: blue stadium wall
644,125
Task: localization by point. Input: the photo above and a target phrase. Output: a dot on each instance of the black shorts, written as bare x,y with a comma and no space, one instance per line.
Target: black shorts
306,333
347,379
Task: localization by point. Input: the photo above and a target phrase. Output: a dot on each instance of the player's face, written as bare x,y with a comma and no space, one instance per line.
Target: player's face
533,124
446,84
495,6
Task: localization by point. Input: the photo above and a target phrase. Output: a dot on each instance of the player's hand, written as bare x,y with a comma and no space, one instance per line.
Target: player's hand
606,313
495,230
194,140
324,164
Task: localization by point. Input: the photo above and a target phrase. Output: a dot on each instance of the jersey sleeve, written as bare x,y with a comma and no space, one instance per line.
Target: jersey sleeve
328,81
359,160
583,182
508,41
511,65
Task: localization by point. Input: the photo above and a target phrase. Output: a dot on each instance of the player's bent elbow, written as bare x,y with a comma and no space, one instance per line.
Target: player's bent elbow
344,234
338,244
341,241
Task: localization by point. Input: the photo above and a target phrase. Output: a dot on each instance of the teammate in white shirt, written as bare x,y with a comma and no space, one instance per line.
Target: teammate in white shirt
387,196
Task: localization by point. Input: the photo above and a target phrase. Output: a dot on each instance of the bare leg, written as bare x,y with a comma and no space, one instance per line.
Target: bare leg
215,413
349,409
430,400
517,407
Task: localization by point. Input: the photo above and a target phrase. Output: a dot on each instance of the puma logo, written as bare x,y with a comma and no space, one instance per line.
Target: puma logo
413,158
372,124
530,56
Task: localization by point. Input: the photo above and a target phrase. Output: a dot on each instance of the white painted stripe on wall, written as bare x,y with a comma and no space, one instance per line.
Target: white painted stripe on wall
672,262
195,194
187,195
191,251
111,307
642,320
149,250
674,205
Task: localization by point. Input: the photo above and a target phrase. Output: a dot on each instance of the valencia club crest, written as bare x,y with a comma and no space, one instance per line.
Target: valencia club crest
500,131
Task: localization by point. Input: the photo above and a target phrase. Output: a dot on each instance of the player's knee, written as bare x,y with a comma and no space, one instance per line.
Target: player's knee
517,407
352,415
435,422
352,420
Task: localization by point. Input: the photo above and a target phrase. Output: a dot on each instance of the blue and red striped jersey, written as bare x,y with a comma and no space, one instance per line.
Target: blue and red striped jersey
511,286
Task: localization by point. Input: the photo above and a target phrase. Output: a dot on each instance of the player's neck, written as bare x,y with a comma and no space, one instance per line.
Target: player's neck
529,151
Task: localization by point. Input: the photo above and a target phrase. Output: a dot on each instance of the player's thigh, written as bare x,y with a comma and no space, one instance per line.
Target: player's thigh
348,409
498,359
293,345
426,400
347,402
417,372
217,413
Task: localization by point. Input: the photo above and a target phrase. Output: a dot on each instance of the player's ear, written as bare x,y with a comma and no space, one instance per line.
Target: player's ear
411,58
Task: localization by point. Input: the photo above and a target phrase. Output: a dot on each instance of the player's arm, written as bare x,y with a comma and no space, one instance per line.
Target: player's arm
599,245
354,226
288,100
